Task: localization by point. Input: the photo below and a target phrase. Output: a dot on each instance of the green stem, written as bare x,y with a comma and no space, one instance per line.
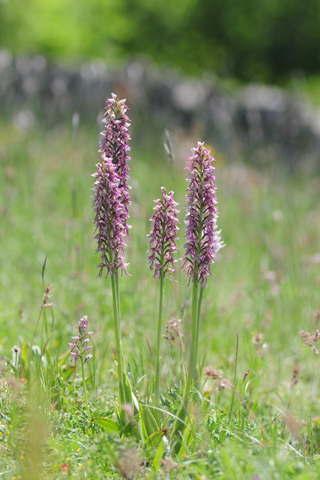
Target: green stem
196,316
85,389
158,354
182,413
193,347
116,309
118,301
119,319
234,379
195,371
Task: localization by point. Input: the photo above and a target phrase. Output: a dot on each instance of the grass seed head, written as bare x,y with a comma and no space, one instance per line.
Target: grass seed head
212,373
46,297
173,330
310,339
295,375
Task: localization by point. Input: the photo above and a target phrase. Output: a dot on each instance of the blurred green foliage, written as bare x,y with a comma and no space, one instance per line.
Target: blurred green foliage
248,39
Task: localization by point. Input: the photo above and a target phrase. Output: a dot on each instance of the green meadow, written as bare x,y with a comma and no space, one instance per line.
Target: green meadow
260,420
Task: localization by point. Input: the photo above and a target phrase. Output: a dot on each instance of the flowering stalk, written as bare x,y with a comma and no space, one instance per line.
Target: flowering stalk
111,242
203,243
203,239
111,200
81,351
114,145
109,218
161,259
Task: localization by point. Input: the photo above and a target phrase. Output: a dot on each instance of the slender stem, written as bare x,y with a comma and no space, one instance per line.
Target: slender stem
182,413
85,388
115,297
195,371
119,319
158,354
118,301
234,378
193,346
196,316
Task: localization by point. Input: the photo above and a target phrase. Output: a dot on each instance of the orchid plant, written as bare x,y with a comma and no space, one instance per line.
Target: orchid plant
111,200
82,352
161,259
203,241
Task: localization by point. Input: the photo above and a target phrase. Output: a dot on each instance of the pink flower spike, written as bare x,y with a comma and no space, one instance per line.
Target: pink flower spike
79,345
114,145
203,240
163,236
109,218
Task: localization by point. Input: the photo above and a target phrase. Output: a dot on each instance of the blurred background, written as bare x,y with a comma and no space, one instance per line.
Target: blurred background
248,40
244,75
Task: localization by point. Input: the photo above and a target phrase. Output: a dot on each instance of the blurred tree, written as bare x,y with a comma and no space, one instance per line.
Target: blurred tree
249,39
294,38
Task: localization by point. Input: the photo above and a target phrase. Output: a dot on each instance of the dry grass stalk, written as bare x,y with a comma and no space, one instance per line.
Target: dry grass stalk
129,464
212,372
169,465
174,330
295,375
292,424
260,347
46,297
272,278
310,339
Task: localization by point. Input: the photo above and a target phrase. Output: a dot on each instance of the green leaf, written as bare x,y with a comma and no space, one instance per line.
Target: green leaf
135,403
148,423
157,459
66,372
127,389
187,434
106,423
24,352
154,439
63,359
206,403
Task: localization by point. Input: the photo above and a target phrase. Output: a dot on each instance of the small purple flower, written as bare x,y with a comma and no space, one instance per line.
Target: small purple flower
114,145
203,239
79,348
110,215
163,236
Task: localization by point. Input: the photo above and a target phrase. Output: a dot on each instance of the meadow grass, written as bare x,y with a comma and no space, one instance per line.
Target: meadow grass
264,288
